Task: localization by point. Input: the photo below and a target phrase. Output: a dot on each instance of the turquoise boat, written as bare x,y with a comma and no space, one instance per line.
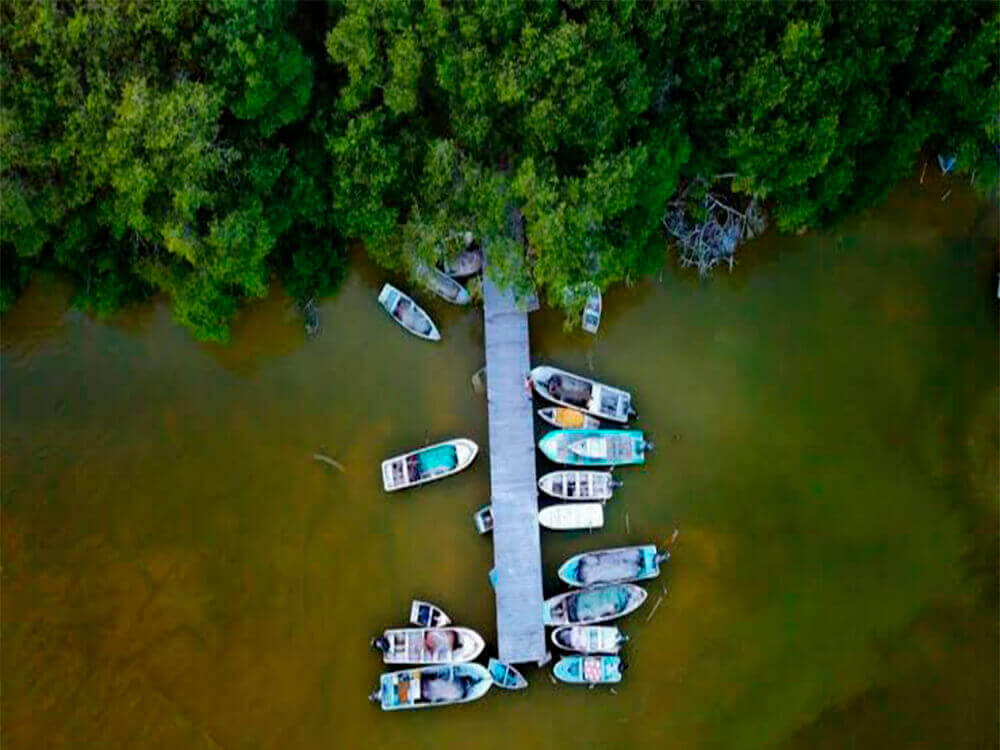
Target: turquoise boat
589,670
595,447
427,464
591,606
506,676
617,565
428,687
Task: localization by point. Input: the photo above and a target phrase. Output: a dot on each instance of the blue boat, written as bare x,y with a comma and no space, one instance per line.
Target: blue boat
595,447
617,565
590,606
589,670
505,676
427,687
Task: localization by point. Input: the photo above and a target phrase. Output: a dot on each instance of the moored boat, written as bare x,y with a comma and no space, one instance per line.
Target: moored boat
426,615
595,447
590,320
466,263
443,286
591,606
448,645
617,565
589,639
427,464
408,313
505,676
589,670
566,418
484,519
572,516
427,687
579,485
578,392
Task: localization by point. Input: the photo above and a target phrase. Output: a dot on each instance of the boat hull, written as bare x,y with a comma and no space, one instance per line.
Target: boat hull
594,447
619,565
589,670
408,314
465,263
428,464
506,676
577,392
578,485
592,606
447,645
589,639
572,516
426,615
432,687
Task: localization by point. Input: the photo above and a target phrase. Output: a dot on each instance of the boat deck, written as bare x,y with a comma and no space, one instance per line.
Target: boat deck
516,539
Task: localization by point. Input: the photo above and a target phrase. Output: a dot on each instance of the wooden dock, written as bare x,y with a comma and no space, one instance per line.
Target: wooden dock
516,542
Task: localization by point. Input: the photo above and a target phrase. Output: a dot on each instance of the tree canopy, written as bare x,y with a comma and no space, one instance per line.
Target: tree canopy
199,149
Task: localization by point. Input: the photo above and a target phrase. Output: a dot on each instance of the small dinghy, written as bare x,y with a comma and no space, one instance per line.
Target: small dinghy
589,639
589,670
572,516
578,392
484,519
443,286
466,263
590,321
618,565
427,615
566,418
579,485
427,464
595,605
448,645
408,313
428,687
505,676
595,447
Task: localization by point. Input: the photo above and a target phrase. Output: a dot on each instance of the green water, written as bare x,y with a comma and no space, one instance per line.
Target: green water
178,571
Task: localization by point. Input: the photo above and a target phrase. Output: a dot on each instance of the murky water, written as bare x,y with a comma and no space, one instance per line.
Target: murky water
178,571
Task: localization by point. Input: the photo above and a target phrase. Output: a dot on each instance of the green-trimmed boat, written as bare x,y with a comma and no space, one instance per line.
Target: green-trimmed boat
589,670
591,606
618,565
595,447
427,464
506,676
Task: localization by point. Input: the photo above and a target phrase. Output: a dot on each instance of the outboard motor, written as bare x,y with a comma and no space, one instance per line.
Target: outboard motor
622,638
623,665
375,696
648,445
380,644
662,557
617,484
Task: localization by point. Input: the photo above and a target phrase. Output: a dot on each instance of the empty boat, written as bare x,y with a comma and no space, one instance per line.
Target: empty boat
427,687
595,447
572,516
589,670
578,392
590,320
448,645
589,639
572,419
442,285
579,485
505,676
484,519
408,313
427,464
617,565
590,606
466,263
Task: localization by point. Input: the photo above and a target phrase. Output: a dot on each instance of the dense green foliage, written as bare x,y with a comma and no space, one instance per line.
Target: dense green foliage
197,148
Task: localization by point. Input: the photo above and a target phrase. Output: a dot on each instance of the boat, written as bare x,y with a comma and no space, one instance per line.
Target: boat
442,285
427,464
426,615
590,606
564,417
427,687
595,447
578,392
505,676
448,645
466,263
589,639
590,320
484,519
569,484
617,565
589,670
408,313
571,516
492,577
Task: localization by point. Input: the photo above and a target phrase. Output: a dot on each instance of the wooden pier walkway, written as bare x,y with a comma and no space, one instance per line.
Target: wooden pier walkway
516,542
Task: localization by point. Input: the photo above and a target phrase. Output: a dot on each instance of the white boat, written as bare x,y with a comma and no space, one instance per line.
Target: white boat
593,605
467,262
570,516
589,639
408,313
427,464
578,392
429,687
484,519
442,285
447,645
579,485
591,318
566,418
426,615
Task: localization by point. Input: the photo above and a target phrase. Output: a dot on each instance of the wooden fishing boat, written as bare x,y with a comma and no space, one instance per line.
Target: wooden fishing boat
442,285
595,447
590,606
427,615
408,313
617,565
484,519
572,516
448,645
466,263
427,464
589,639
590,320
566,418
589,670
427,687
505,676
579,485
578,392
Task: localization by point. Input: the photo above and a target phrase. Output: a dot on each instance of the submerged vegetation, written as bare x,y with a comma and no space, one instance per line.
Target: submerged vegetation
200,148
